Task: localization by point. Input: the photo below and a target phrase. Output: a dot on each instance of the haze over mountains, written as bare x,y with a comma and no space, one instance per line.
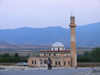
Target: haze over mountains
87,35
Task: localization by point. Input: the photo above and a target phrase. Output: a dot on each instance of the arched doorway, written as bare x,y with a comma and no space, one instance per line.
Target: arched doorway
40,62
45,62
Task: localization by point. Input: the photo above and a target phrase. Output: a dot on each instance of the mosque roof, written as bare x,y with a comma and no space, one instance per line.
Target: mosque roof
57,51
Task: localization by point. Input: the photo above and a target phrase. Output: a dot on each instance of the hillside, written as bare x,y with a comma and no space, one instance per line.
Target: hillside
87,35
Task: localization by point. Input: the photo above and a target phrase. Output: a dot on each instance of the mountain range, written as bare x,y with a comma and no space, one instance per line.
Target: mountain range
87,35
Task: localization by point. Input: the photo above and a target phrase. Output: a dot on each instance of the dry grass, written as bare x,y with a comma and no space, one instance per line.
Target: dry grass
88,64
81,51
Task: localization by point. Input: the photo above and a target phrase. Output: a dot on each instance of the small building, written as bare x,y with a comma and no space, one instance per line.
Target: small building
58,55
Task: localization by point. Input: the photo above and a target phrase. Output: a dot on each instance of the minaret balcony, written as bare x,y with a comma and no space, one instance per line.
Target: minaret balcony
72,25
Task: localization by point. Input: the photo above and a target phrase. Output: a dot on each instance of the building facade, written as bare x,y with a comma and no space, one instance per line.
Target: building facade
59,56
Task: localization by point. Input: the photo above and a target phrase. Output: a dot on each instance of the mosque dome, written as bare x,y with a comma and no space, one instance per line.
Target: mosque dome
57,44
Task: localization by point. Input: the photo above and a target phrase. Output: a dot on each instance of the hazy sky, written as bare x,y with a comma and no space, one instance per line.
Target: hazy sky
44,13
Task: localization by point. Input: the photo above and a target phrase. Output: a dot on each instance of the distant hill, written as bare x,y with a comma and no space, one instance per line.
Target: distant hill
2,43
87,35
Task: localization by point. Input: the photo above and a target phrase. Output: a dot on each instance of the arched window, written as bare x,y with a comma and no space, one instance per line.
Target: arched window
35,61
32,61
44,54
64,62
49,54
45,61
54,54
68,62
58,49
59,62
55,62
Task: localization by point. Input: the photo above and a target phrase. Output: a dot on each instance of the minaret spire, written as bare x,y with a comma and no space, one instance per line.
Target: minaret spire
72,14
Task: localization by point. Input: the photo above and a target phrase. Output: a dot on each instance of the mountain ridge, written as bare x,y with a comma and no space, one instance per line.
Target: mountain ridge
87,35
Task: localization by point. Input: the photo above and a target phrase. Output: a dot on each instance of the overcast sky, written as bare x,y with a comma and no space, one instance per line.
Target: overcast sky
44,13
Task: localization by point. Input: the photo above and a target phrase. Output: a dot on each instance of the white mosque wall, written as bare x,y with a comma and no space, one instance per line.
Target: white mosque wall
57,48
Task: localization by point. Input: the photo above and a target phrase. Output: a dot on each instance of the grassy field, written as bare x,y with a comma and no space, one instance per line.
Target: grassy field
81,51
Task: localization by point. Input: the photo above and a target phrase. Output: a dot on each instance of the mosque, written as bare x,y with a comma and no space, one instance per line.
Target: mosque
59,56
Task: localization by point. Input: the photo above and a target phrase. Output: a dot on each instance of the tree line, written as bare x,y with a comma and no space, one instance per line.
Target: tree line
90,56
7,58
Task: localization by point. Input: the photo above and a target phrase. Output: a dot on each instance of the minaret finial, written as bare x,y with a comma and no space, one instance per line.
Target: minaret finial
72,14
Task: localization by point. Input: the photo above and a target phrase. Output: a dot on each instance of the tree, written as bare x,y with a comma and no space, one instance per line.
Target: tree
17,58
86,54
5,55
83,59
16,55
95,54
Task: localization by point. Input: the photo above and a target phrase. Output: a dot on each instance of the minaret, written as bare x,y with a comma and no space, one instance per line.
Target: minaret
73,43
